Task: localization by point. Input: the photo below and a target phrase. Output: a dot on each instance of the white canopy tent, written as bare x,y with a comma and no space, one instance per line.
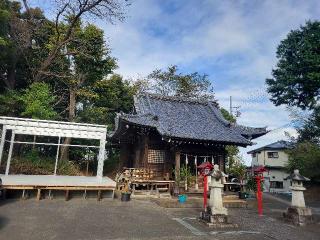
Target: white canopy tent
59,129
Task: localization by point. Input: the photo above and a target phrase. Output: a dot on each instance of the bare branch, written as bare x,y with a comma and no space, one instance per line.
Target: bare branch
108,9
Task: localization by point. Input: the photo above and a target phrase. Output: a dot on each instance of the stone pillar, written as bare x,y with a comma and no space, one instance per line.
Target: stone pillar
297,196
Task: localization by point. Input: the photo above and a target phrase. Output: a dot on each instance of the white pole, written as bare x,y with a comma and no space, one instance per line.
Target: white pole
196,164
101,156
10,152
57,157
3,139
186,181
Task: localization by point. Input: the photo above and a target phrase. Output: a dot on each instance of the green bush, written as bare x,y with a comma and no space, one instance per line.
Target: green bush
252,184
34,164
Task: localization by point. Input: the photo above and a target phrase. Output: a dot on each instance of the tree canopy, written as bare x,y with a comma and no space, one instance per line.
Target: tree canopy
170,82
296,78
296,83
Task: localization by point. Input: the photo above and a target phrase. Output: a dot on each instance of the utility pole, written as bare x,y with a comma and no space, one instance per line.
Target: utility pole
237,112
231,105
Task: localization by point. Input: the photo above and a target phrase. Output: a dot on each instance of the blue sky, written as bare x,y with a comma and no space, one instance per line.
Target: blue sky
234,42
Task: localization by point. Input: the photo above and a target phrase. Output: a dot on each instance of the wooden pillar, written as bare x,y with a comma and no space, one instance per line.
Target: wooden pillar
67,196
221,161
145,151
99,195
177,167
137,150
39,194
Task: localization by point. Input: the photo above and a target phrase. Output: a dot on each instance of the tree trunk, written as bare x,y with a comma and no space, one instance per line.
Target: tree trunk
64,153
10,81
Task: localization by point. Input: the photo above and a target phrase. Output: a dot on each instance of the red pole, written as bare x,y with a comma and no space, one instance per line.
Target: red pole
205,192
259,195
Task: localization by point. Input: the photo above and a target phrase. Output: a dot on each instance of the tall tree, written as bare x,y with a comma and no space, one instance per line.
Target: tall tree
296,78
232,151
69,14
38,102
296,82
305,156
170,82
17,35
113,94
88,60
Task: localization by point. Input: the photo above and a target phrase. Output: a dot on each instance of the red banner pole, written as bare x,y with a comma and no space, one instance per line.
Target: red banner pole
205,192
259,195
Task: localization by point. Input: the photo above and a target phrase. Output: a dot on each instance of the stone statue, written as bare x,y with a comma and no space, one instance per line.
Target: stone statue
216,186
216,215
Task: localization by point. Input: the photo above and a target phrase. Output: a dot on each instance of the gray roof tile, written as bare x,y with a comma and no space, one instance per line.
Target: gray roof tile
178,117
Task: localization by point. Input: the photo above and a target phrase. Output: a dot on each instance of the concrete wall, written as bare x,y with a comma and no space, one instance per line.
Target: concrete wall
276,175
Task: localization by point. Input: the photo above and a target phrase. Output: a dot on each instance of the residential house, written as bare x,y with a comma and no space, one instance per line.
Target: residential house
274,158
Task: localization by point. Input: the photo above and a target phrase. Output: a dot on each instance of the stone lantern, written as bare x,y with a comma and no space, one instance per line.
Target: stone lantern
298,213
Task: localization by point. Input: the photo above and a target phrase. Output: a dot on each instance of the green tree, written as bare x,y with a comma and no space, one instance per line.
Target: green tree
238,169
296,82
170,82
305,157
232,151
113,95
10,103
88,61
18,36
296,78
66,24
38,102
310,128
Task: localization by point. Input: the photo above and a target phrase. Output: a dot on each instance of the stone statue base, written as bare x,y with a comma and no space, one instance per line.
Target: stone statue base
300,216
216,220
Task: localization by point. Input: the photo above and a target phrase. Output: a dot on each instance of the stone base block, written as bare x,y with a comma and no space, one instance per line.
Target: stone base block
216,220
298,215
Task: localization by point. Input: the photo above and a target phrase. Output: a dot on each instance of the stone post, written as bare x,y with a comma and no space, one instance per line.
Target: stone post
298,213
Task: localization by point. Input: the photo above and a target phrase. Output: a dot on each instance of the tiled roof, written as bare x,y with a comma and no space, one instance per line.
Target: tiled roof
279,145
183,118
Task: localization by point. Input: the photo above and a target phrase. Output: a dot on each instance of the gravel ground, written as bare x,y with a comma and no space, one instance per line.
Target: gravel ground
111,219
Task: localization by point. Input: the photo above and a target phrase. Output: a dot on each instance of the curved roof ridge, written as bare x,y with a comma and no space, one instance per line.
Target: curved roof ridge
176,98
219,115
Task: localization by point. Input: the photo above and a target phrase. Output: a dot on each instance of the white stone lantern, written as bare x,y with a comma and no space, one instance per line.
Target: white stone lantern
298,213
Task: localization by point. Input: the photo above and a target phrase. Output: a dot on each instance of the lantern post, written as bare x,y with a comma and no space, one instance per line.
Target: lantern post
298,213
205,169
258,172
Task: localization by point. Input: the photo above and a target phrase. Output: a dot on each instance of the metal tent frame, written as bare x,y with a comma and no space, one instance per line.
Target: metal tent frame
26,126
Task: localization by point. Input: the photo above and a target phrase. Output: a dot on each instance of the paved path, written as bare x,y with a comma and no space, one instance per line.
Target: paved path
273,197
80,219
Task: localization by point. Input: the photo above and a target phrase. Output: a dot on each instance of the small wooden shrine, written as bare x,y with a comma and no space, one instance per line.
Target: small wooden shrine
165,133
